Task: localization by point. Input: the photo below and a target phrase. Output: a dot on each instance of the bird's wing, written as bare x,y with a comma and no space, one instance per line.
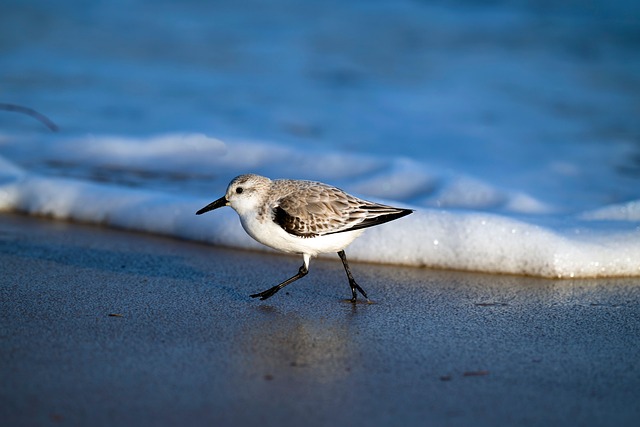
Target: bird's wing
320,209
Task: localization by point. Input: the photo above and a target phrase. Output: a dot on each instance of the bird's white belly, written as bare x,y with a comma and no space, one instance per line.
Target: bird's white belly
271,234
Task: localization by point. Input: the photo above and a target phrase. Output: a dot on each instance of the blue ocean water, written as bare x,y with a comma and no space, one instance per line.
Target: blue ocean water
524,111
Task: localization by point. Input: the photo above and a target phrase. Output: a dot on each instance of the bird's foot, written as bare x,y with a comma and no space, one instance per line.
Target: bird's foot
354,287
266,294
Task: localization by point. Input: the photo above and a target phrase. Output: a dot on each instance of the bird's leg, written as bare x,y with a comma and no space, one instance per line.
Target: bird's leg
352,281
302,271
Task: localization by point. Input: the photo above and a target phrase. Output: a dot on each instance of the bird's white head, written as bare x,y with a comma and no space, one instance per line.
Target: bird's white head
244,194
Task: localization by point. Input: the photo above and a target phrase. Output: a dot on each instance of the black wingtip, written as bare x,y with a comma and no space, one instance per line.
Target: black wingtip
391,217
406,212
378,220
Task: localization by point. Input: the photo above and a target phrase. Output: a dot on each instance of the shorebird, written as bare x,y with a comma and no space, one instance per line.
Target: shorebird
302,217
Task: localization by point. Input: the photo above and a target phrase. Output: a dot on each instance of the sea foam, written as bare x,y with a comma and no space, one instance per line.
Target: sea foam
459,223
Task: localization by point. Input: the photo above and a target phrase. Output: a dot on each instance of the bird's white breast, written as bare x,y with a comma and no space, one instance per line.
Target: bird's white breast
267,232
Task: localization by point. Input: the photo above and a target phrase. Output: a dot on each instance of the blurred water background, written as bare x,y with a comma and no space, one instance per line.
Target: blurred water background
523,110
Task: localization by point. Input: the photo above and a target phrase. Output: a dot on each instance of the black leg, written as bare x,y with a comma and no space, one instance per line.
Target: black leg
352,282
270,292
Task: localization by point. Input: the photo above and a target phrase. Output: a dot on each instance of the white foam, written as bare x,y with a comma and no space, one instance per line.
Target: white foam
629,211
498,244
201,164
452,239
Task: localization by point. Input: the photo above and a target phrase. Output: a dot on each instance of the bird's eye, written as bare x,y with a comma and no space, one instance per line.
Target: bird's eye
239,190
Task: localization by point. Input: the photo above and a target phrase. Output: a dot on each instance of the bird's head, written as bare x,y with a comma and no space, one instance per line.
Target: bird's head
244,194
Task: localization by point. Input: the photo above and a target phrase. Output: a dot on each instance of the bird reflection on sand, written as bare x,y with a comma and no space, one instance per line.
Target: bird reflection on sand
314,351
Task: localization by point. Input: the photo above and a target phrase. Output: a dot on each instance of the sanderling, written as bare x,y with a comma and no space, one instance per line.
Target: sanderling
302,217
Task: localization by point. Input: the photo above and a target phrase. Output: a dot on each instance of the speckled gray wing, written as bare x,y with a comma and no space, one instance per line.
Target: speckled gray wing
313,209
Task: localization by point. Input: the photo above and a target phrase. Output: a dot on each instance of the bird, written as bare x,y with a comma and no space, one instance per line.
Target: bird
302,217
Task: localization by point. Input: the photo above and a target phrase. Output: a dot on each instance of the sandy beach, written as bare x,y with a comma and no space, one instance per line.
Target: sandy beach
103,327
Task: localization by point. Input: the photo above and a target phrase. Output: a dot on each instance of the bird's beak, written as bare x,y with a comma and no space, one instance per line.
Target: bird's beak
222,201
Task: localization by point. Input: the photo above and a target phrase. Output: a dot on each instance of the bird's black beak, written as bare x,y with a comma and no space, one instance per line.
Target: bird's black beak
222,201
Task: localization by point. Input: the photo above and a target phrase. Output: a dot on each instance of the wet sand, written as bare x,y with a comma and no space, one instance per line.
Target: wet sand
103,327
